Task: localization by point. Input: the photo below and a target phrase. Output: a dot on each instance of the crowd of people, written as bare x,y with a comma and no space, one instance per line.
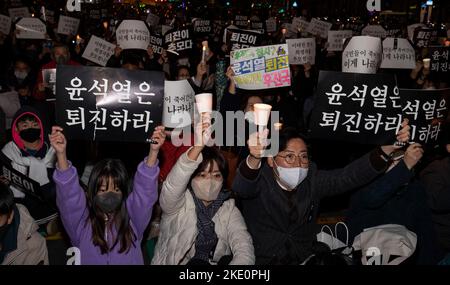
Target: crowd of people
201,205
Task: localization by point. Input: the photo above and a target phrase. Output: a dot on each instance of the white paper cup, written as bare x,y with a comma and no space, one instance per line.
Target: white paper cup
204,102
262,113
426,63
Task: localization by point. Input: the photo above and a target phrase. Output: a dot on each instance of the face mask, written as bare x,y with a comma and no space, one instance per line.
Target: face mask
30,135
291,177
108,202
3,230
206,189
20,75
61,59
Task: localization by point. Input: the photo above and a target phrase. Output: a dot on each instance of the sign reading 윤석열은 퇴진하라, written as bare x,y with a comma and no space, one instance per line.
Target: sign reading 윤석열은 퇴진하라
261,67
98,103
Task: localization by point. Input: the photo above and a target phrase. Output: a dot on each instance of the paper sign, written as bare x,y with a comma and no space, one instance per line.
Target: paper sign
98,50
152,20
21,12
440,62
261,67
31,28
374,31
318,27
412,28
239,39
156,42
202,26
49,79
133,34
362,55
300,23
68,25
5,24
398,53
178,104
271,25
302,51
336,39
178,41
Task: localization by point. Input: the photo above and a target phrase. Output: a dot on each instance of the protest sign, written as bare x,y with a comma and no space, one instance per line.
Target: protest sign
240,39
18,180
300,23
423,37
261,67
439,59
156,43
398,53
202,26
21,12
271,25
30,28
114,104
318,27
302,51
336,39
98,50
179,41
362,108
374,31
133,34
362,55
152,20
68,25
5,24
49,79
178,104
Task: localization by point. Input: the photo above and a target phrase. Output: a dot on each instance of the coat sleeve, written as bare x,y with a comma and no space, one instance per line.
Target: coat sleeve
438,190
240,241
354,175
144,195
71,202
174,187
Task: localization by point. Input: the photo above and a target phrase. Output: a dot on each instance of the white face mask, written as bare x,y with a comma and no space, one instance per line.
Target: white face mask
290,178
206,189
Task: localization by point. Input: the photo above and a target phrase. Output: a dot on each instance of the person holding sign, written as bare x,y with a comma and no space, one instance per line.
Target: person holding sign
200,225
20,242
281,197
108,222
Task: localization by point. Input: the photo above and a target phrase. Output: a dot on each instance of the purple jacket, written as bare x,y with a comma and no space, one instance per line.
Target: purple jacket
72,204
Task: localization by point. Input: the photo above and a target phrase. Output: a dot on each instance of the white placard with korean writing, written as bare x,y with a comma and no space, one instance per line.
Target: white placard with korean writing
318,27
261,67
30,28
133,34
152,20
21,12
271,25
398,53
374,31
362,55
5,24
68,25
336,39
302,51
98,50
178,104
300,23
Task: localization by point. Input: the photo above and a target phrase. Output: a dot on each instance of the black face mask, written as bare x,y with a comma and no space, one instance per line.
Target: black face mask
108,202
30,135
3,230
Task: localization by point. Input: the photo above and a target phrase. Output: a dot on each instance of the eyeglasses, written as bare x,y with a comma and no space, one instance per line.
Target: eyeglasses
290,158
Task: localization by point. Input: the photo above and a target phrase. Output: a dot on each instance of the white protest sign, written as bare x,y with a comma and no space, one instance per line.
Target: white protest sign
98,50
302,51
318,27
5,24
271,25
374,31
68,25
261,67
21,12
300,23
336,39
30,28
411,29
398,53
362,55
133,34
152,20
178,104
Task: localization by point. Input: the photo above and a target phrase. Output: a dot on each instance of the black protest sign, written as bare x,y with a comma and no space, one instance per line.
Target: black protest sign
355,107
109,104
241,21
439,59
426,111
202,26
20,181
423,37
178,41
156,43
239,39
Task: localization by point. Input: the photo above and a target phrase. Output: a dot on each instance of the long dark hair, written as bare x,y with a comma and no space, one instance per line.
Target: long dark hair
104,171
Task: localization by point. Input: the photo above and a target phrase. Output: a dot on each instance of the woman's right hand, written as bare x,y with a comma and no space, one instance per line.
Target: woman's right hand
257,143
58,140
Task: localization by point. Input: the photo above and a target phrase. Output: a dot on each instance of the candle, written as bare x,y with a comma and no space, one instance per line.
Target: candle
278,126
204,49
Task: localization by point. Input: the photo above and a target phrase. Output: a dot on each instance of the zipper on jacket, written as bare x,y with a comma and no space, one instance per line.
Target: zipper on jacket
106,229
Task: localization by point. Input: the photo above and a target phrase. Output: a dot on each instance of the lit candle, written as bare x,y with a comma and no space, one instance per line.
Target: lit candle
278,126
205,47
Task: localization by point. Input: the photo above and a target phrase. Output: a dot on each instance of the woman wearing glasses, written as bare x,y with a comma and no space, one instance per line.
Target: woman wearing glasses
280,197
